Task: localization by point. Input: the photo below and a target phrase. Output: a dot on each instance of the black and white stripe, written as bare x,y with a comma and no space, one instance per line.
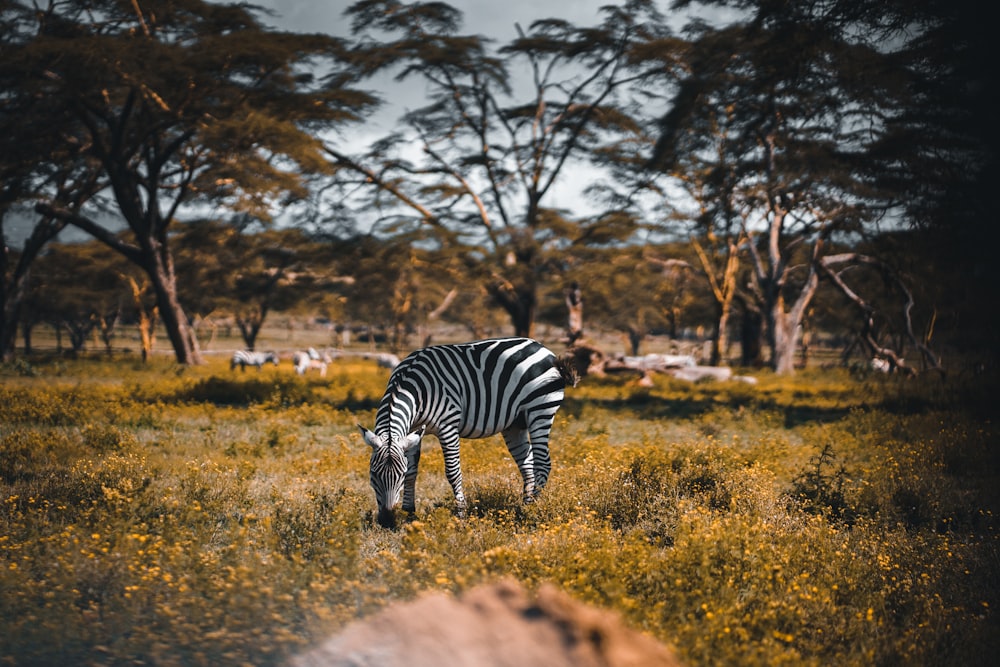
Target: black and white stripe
512,386
244,358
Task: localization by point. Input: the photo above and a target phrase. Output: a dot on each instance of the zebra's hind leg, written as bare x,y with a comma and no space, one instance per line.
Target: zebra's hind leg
539,429
520,448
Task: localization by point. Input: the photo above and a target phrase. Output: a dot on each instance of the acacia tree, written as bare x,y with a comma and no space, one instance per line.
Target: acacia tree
179,104
80,308
30,128
478,163
800,125
251,272
15,271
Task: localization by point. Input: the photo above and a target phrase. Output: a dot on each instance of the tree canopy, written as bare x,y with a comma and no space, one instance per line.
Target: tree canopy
502,126
781,143
165,106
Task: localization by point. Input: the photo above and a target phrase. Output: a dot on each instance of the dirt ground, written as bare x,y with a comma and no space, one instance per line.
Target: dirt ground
498,625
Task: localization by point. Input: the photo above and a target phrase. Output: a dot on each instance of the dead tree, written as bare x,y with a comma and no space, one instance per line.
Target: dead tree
869,334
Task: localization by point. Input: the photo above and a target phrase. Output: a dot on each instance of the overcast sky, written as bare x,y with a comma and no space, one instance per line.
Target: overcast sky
493,18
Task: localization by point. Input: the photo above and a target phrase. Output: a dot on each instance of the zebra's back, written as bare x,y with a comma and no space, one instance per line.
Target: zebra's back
479,388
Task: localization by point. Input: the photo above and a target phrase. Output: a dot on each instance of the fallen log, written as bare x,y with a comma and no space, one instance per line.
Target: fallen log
592,361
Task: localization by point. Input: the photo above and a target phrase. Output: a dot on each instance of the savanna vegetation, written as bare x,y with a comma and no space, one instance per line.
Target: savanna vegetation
183,515
778,175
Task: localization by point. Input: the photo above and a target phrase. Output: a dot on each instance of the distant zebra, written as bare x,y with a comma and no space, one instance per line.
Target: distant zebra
512,386
303,361
244,358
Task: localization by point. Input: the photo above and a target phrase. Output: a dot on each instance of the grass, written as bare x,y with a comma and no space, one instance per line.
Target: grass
186,516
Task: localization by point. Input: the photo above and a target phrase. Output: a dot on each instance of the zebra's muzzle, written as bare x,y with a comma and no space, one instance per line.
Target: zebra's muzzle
387,517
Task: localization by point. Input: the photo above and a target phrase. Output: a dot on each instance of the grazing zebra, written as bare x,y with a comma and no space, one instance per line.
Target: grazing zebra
512,386
244,358
303,361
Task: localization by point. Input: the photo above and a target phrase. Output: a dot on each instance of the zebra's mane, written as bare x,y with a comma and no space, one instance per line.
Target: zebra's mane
387,406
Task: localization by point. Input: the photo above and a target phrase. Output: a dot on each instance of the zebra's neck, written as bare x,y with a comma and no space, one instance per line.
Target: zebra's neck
396,414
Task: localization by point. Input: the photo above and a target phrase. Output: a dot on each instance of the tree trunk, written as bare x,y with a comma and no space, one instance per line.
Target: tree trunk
750,335
78,334
805,342
250,326
14,279
107,325
175,322
147,332
524,321
9,315
574,307
784,341
634,340
147,321
771,286
720,341
724,291
26,328
673,318
784,328
519,302
722,336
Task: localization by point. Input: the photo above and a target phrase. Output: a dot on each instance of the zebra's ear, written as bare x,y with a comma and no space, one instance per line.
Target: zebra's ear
372,439
413,439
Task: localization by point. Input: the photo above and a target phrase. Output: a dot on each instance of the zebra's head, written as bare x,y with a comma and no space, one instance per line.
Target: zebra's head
388,469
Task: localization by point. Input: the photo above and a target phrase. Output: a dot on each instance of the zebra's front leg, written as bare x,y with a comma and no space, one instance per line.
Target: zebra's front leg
453,467
410,479
520,448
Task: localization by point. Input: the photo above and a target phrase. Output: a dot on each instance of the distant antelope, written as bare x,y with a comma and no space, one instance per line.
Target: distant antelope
303,361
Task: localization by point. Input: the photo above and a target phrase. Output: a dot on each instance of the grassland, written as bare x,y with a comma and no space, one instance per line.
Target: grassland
195,516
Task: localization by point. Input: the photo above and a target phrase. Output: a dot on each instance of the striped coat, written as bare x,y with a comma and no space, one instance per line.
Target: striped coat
244,358
512,386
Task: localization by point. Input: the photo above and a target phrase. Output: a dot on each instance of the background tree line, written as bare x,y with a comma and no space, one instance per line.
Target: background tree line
793,164
233,279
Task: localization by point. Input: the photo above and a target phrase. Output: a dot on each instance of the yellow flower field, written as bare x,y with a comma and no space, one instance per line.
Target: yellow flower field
168,516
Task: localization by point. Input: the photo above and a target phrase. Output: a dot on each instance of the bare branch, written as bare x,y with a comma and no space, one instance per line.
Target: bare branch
387,186
869,311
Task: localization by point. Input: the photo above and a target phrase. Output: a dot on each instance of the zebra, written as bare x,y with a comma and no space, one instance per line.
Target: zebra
512,386
244,358
303,361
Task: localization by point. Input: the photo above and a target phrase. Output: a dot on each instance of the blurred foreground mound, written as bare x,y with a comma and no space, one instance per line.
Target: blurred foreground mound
497,625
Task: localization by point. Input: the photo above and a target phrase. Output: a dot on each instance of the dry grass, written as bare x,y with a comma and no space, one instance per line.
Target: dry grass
198,516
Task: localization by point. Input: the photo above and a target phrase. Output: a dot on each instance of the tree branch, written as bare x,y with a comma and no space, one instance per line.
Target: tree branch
379,182
132,252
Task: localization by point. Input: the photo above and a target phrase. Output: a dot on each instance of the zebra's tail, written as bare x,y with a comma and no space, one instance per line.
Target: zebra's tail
578,362
567,368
